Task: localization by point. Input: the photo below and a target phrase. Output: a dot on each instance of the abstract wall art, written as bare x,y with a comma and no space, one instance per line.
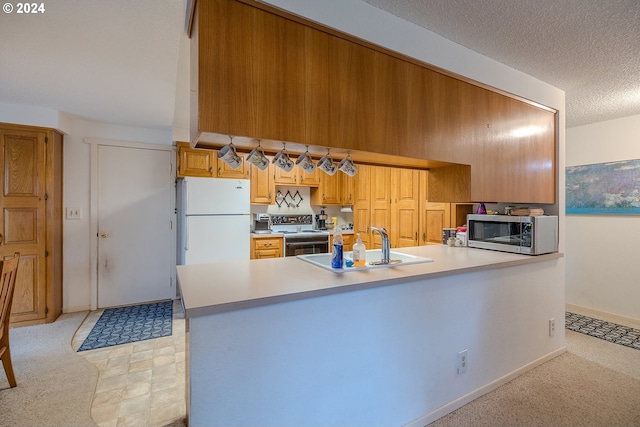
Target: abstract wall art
604,188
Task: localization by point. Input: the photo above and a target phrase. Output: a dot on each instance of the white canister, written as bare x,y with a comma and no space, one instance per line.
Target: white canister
462,236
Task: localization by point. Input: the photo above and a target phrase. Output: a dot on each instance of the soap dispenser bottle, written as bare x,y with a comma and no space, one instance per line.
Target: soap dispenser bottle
359,253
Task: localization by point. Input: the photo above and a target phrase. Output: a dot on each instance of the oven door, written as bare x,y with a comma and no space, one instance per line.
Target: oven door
294,246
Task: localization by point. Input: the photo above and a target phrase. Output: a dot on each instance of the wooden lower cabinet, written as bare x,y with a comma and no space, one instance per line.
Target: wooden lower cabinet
347,242
270,247
31,219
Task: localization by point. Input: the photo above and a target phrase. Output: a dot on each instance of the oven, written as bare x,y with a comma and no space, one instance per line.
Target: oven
305,243
300,236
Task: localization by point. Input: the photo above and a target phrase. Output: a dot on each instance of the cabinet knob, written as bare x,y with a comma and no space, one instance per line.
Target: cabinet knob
104,234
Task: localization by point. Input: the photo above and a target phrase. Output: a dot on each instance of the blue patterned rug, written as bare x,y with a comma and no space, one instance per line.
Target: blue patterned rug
608,331
123,325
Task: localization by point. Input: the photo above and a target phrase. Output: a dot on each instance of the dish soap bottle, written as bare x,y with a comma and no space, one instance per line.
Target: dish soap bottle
337,253
359,253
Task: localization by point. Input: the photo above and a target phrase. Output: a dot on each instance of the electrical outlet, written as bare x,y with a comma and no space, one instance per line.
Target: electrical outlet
552,326
73,213
462,361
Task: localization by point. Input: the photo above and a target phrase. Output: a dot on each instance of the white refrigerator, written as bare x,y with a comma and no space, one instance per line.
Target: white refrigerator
214,220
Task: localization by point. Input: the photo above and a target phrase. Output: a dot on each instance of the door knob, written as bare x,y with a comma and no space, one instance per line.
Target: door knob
104,234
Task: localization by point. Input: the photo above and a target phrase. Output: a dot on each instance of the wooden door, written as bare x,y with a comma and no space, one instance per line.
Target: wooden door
134,225
405,198
262,186
22,215
361,206
380,202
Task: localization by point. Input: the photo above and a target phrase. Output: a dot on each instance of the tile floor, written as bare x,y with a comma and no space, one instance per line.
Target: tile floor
141,383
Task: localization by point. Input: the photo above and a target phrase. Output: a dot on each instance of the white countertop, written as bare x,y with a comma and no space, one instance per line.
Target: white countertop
234,285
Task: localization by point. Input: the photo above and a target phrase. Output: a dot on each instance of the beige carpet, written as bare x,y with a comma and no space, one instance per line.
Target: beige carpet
596,383
55,384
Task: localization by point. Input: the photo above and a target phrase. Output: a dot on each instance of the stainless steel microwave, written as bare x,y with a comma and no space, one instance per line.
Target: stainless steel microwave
530,235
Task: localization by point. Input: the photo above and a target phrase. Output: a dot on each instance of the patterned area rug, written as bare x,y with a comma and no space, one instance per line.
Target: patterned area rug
130,324
608,331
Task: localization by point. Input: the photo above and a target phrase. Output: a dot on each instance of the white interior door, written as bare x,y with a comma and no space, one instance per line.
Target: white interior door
134,225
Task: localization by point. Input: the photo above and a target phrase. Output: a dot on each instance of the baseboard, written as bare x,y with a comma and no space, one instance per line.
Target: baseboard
76,309
463,400
603,315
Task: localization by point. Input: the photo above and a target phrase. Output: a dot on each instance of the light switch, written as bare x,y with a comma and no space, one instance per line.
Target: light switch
73,213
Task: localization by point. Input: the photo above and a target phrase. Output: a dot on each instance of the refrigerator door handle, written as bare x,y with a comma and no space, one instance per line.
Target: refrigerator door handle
186,236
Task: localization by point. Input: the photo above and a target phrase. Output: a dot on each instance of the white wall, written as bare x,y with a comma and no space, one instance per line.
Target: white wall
77,179
602,250
377,357
77,176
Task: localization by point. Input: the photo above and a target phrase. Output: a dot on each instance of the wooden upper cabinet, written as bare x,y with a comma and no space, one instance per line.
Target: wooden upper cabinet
263,74
351,97
316,91
453,115
195,161
226,94
263,188
226,171
296,177
516,156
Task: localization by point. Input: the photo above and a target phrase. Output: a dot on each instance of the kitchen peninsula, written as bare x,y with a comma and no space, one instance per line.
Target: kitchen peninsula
281,342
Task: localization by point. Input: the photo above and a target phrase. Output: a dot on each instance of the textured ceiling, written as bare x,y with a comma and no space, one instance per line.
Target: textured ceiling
588,48
116,60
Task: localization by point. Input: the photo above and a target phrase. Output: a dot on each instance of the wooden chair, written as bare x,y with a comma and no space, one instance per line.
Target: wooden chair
8,272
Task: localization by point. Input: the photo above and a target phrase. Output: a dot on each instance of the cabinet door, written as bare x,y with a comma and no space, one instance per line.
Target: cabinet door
226,171
195,161
361,205
262,184
437,217
380,202
22,217
328,193
282,177
347,242
347,188
404,207
519,168
278,71
309,179
351,96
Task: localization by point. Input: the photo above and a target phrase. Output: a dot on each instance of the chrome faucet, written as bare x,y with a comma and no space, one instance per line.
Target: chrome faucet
386,245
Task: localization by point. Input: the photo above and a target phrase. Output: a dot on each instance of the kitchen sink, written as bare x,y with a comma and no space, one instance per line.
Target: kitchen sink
372,261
